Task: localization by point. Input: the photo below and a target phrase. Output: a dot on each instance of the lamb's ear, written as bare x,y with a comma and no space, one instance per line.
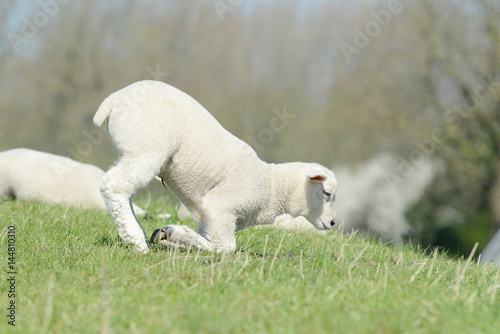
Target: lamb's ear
316,175
317,178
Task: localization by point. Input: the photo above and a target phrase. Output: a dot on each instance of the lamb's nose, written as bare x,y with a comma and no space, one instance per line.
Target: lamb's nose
332,222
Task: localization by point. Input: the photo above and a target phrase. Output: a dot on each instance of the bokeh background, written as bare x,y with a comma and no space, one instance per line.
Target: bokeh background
400,98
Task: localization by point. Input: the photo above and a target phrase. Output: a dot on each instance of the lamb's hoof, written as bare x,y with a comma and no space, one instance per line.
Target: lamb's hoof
160,235
173,236
155,237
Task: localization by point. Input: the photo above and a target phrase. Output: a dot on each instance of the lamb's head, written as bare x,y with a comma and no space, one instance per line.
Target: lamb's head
315,197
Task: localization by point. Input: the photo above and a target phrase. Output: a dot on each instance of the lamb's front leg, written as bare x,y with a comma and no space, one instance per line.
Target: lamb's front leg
216,232
179,236
185,238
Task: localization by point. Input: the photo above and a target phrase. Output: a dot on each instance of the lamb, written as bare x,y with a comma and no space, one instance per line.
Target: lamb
161,131
38,176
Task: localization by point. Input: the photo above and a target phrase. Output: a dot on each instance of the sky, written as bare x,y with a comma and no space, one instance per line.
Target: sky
26,9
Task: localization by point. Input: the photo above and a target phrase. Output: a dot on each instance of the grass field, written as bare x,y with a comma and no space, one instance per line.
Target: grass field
74,275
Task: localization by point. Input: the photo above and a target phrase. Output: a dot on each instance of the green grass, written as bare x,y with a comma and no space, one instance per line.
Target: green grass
76,276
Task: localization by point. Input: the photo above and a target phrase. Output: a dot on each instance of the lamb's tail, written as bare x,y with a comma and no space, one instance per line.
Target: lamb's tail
105,108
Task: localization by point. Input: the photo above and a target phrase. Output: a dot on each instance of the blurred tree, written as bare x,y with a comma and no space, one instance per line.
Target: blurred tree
463,82
6,9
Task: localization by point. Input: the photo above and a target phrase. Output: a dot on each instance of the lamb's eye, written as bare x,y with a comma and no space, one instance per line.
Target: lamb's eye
327,193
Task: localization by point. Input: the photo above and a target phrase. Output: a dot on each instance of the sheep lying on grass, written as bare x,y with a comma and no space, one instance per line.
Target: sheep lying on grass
38,176
286,221
159,130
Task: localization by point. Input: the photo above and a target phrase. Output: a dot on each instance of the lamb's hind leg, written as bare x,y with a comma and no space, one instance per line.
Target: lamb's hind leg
117,188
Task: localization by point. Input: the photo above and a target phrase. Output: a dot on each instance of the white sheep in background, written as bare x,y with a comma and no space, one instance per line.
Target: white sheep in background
375,200
38,176
299,224
159,130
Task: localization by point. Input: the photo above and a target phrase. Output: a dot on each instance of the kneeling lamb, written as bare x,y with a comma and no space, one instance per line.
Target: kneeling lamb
161,131
38,176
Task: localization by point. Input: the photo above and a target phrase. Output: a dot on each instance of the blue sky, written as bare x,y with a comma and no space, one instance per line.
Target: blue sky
28,8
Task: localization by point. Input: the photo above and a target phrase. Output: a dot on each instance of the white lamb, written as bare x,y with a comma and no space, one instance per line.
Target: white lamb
159,130
38,176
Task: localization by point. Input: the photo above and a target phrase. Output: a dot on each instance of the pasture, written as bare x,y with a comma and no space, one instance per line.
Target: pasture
74,275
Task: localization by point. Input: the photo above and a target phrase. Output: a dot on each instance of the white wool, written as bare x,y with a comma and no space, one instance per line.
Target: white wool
159,130
38,176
